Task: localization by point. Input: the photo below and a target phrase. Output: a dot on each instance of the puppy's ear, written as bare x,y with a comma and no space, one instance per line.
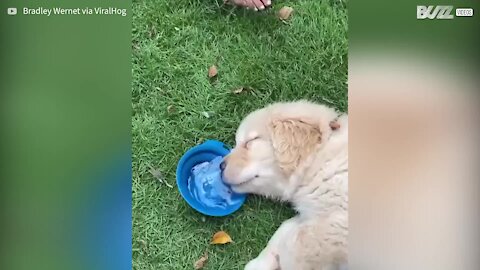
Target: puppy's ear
293,141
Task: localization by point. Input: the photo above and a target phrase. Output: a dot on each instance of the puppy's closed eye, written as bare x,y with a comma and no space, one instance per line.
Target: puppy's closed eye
248,143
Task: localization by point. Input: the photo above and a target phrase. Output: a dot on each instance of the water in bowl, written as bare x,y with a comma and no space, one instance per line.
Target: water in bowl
206,185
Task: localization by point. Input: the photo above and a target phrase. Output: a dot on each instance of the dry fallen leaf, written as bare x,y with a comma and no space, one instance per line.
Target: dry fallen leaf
200,263
238,90
157,174
212,71
285,12
143,243
170,109
220,238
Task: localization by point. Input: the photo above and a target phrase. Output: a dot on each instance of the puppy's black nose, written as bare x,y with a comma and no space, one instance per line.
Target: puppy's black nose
223,165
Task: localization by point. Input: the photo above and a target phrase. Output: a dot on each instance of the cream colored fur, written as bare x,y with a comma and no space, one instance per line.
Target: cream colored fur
288,151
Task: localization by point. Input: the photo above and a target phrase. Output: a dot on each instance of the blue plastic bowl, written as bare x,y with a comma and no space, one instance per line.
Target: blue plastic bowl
206,151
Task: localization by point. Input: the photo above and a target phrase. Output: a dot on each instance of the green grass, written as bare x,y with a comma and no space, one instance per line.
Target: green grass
174,43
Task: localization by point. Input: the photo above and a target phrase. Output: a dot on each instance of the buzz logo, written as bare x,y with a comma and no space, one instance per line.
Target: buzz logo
434,12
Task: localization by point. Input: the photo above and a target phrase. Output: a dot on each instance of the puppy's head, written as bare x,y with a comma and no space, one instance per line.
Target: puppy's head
272,142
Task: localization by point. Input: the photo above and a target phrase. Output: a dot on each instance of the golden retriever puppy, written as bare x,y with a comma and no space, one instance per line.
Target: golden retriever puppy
297,152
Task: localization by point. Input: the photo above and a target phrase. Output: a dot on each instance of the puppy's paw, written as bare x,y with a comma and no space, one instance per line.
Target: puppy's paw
240,189
265,263
254,264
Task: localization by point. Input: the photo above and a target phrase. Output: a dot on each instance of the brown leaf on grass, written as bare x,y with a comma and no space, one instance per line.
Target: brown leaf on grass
153,32
238,90
157,174
200,263
212,71
143,243
285,12
241,90
220,238
206,114
171,109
